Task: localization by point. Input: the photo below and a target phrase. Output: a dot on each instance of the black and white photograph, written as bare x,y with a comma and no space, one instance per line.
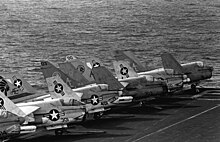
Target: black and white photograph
110,70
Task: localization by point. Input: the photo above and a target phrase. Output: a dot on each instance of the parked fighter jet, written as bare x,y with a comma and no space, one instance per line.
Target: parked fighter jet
87,93
141,88
16,88
50,114
95,102
125,72
194,71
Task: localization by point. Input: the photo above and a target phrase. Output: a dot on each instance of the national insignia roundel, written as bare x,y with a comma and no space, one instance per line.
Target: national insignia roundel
94,99
58,88
18,83
54,115
124,71
81,68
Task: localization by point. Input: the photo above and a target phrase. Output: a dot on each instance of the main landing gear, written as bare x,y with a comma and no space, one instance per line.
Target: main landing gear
98,115
60,132
193,87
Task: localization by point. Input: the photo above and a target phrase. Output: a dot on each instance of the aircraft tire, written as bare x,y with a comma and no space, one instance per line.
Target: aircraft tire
58,132
84,118
193,86
97,115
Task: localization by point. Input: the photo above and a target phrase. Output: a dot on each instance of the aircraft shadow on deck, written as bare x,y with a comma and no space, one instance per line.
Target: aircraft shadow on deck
68,137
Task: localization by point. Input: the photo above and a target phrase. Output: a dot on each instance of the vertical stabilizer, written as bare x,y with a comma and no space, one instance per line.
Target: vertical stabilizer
16,88
72,72
59,89
169,62
82,68
92,62
129,56
19,82
124,70
50,70
8,105
103,76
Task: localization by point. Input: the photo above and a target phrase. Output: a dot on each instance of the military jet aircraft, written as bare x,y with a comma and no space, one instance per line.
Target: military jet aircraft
194,71
87,93
95,103
51,114
125,72
140,88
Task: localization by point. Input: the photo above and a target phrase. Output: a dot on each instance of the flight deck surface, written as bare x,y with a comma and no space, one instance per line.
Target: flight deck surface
184,118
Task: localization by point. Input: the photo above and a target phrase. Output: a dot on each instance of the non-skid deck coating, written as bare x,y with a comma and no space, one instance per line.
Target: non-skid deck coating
173,120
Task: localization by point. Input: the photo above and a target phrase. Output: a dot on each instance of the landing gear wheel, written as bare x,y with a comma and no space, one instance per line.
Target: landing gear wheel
143,103
193,86
58,132
97,115
84,118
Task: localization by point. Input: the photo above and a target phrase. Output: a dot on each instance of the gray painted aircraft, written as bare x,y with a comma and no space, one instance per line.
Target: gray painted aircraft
194,71
125,73
140,88
51,114
95,105
86,93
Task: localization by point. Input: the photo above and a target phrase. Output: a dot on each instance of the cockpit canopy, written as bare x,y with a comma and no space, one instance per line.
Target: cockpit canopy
70,102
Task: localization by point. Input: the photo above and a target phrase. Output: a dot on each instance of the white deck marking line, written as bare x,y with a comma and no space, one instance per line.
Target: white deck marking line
204,99
160,130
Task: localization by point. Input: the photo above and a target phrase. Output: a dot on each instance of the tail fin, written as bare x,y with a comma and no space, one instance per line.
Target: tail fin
59,89
19,82
81,67
92,62
128,55
8,105
124,70
16,88
50,70
103,76
169,62
72,72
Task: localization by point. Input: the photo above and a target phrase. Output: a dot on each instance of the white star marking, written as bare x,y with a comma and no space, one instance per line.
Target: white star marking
54,115
18,83
124,71
94,100
59,88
